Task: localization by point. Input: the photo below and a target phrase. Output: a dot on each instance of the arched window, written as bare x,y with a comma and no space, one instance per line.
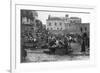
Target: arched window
55,24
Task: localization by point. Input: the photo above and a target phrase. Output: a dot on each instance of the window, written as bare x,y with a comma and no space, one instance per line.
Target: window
57,28
81,29
55,23
49,24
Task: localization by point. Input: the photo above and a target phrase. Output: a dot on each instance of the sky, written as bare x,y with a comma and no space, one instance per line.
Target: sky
43,15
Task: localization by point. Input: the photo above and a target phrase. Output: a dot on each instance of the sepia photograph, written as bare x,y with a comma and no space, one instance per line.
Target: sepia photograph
54,36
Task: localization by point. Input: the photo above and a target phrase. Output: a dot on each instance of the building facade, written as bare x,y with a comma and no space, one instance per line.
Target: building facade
75,20
61,23
78,28
57,23
66,24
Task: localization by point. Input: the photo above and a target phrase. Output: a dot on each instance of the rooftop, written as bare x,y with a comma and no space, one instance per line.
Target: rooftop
74,18
55,18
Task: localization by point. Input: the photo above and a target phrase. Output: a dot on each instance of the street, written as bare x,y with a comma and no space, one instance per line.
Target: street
39,56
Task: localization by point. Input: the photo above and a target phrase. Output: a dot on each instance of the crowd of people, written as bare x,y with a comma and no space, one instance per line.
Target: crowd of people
44,41
56,43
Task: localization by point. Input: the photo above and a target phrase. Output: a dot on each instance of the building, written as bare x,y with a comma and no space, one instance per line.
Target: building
78,28
26,20
75,20
61,23
66,24
57,23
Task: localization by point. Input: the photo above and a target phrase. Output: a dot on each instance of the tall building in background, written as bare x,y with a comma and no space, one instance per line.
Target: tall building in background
61,23
57,23
75,20
65,24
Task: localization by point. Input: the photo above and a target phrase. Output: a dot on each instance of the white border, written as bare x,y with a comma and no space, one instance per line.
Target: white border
15,62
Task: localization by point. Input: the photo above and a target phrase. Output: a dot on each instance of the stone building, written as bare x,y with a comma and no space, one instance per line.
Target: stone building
77,27
75,20
60,25
57,23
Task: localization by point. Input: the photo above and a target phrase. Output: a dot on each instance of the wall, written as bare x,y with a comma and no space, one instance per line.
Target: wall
57,25
5,58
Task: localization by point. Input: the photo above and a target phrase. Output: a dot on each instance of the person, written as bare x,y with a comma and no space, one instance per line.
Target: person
66,45
83,46
52,46
88,42
34,43
84,42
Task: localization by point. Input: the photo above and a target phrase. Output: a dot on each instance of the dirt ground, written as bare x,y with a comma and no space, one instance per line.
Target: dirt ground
40,56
